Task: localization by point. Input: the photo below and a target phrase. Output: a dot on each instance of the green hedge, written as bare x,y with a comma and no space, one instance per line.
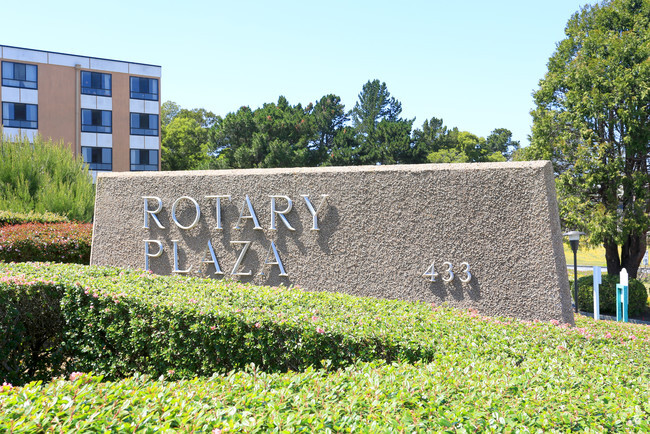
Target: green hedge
607,295
118,322
565,381
57,242
17,218
31,329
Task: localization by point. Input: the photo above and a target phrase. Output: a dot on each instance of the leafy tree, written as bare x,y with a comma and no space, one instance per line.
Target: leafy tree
168,111
375,104
592,117
500,141
329,119
185,134
275,135
382,137
184,145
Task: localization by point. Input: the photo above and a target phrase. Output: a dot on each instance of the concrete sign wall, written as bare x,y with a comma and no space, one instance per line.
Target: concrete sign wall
473,235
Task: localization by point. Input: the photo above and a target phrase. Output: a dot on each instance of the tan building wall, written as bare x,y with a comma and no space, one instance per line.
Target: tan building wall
60,102
57,104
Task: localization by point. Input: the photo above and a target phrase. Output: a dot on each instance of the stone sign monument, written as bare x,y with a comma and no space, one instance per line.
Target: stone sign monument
483,235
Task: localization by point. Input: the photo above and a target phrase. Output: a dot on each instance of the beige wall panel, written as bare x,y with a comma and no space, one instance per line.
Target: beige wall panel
56,103
121,125
380,229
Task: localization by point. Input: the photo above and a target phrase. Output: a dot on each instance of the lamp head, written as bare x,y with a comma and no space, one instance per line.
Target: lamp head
574,235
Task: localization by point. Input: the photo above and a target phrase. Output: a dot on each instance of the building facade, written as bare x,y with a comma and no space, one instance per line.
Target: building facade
107,111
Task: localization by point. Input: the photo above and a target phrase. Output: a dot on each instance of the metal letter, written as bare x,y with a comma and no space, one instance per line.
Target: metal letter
148,255
176,270
281,213
217,268
196,206
152,213
227,196
246,244
252,215
277,262
314,213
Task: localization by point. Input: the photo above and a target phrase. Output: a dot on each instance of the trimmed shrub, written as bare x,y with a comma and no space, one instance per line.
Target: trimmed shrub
119,322
59,242
44,176
536,377
8,218
607,295
31,328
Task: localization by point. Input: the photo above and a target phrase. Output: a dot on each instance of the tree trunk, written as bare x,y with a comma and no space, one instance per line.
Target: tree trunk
632,253
611,256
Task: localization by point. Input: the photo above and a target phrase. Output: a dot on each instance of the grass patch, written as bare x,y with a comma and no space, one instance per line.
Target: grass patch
588,256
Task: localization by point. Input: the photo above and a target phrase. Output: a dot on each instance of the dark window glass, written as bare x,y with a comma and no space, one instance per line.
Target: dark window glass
144,88
19,75
96,83
96,121
16,115
98,158
144,159
143,124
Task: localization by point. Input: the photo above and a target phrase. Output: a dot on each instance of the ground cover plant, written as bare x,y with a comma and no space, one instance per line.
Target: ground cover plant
57,242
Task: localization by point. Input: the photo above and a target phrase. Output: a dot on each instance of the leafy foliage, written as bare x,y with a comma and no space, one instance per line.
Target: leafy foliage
607,295
118,322
17,218
321,134
44,177
488,374
56,242
593,120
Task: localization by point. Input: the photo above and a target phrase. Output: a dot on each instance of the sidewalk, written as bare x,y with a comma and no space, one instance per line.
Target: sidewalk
613,318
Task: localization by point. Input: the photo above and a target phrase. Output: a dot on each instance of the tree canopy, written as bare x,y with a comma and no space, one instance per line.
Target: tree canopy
283,134
592,119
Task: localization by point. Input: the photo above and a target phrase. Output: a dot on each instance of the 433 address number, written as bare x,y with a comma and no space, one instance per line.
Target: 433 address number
447,274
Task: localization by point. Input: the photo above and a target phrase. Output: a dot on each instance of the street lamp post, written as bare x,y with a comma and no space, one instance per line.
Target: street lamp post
574,240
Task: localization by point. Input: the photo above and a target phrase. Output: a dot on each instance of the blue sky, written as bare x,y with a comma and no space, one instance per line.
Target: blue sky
472,63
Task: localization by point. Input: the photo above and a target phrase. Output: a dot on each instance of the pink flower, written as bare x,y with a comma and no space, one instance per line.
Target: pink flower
6,385
258,325
561,347
608,335
75,376
212,327
320,330
632,337
555,322
314,318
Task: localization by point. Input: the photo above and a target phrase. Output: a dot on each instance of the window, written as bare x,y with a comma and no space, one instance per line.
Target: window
98,158
16,115
96,121
96,83
144,159
19,75
144,88
144,124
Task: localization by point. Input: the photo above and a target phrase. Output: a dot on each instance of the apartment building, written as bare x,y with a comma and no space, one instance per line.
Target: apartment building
107,111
